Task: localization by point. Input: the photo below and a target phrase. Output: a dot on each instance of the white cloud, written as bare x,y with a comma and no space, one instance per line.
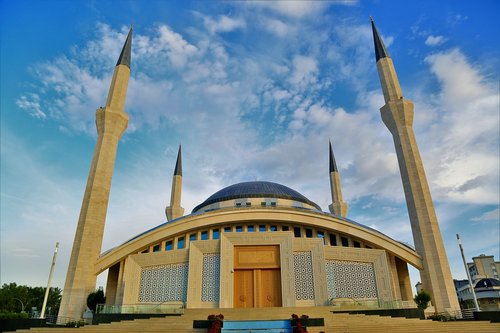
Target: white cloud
461,82
492,215
304,71
462,137
289,8
297,8
31,104
223,23
434,40
276,26
177,48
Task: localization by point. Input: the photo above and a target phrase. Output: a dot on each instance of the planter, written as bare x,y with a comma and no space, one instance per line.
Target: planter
18,323
204,323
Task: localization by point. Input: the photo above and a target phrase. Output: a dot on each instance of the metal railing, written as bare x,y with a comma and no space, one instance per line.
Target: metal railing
163,308
65,321
369,304
464,314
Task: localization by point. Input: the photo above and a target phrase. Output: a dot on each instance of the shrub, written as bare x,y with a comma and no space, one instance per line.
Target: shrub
437,317
97,297
75,323
13,315
422,299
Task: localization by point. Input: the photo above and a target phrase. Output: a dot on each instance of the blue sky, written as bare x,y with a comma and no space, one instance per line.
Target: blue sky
253,91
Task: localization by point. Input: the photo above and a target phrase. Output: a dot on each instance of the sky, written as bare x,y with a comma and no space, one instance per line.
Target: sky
253,90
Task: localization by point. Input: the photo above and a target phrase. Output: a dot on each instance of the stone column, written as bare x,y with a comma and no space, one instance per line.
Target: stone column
111,122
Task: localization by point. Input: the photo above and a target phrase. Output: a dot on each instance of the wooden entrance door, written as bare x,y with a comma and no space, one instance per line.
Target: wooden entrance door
243,288
257,276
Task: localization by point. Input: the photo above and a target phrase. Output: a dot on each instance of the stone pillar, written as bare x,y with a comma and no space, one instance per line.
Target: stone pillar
393,271
404,280
111,122
112,284
397,115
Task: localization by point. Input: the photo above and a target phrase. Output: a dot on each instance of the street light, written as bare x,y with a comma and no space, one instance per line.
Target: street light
22,304
42,313
471,286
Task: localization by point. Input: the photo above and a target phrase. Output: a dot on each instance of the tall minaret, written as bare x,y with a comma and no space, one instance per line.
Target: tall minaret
397,114
338,206
175,210
111,122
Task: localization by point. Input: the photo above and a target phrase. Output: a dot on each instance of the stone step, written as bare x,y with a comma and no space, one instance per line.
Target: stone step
334,323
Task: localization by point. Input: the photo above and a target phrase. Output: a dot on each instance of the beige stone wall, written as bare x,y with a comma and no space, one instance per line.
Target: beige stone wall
135,264
256,203
377,258
196,251
130,280
279,217
317,249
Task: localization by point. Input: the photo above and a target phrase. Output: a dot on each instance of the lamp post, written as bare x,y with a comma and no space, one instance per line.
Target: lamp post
22,304
471,286
42,313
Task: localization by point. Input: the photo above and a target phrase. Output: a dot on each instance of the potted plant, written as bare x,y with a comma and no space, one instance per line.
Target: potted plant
216,323
299,324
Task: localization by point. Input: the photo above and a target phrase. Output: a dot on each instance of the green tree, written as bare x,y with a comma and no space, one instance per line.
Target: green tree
97,297
14,298
422,299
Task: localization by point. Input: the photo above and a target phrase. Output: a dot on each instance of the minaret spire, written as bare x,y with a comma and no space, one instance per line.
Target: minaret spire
333,164
178,163
380,50
175,210
388,78
338,206
111,122
119,82
397,115
126,54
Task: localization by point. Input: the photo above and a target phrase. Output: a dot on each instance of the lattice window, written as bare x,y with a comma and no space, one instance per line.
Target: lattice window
304,279
210,277
350,279
164,283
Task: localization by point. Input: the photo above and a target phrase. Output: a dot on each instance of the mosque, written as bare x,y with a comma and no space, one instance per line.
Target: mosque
258,244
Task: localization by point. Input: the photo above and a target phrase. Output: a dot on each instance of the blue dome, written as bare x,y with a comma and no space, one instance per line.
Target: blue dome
255,190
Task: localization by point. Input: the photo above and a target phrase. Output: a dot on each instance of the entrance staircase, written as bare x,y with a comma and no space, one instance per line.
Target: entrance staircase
334,323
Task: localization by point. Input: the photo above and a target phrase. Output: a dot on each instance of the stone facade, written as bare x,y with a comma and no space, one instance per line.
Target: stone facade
312,272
